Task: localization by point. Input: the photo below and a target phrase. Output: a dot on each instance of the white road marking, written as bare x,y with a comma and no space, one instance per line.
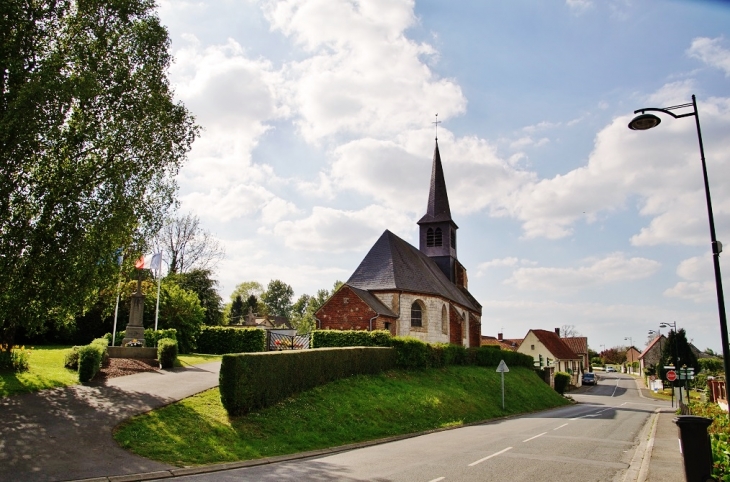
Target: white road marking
593,414
533,438
489,457
563,425
614,390
437,480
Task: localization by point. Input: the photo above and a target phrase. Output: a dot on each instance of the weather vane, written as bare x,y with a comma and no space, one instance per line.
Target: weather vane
436,123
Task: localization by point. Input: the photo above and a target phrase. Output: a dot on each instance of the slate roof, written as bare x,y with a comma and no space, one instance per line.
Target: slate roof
373,302
651,345
438,200
555,345
579,344
393,264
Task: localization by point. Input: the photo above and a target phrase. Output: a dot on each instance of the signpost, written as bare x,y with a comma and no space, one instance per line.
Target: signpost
671,373
502,368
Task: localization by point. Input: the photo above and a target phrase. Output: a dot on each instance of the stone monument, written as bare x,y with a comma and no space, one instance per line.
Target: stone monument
135,330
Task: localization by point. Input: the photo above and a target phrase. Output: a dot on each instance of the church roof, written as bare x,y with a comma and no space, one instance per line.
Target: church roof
393,264
438,200
374,303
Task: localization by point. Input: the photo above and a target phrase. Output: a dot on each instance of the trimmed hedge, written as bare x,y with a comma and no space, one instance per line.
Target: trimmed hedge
562,380
71,358
90,359
166,352
337,338
250,381
221,340
151,336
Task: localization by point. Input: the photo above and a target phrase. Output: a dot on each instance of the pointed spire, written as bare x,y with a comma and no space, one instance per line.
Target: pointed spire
438,200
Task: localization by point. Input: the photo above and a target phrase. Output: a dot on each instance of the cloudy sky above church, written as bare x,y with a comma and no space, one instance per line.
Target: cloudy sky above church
318,135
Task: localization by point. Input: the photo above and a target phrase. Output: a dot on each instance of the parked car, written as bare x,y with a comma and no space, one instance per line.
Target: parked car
589,379
610,369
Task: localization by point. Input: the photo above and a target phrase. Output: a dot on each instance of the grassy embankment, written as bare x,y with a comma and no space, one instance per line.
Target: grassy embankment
47,371
198,430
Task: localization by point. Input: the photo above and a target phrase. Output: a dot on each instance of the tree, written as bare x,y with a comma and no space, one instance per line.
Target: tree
199,281
277,298
248,291
90,142
676,351
303,318
186,245
180,309
615,355
568,331
236,313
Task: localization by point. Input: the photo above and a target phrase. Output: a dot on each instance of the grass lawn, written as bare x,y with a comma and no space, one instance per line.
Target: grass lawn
47,370
198,430
666,394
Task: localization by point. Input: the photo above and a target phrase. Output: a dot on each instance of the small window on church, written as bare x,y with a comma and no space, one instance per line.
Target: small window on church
429,237
416,314
437,237
453,239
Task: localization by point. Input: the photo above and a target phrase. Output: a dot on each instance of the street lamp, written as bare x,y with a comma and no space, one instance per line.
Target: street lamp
631,345
647,121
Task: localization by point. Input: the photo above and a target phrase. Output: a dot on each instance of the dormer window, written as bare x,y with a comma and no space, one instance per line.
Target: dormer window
437,237
429,237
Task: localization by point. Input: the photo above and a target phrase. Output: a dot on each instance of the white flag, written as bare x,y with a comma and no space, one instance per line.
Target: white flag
149,261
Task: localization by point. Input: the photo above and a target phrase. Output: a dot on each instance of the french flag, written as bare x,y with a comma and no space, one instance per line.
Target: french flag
149,261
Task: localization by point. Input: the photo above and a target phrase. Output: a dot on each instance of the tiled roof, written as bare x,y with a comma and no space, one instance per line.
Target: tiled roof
555,345
490,340
651,345
515,342
438,200
579,344
393,264
373,302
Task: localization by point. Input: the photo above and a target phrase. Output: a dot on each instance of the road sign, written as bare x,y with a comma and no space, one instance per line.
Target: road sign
671,375
502,368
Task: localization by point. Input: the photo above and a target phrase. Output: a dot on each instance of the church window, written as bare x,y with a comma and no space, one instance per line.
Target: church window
444,321
429,237
437,237
416,314
453,239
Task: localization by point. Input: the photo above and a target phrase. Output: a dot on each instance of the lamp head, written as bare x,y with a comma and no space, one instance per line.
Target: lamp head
644,122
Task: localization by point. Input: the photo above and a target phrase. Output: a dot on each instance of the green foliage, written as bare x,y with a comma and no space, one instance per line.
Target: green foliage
411,353
218,340
562,380
180,309
71,358
277,298
236,313
150,336
199,281
719,432
249,381
712,365
341,338
166,352
92,140
676,351
90,357
14,359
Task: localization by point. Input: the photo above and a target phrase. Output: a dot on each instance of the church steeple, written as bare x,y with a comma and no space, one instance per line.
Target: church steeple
437,229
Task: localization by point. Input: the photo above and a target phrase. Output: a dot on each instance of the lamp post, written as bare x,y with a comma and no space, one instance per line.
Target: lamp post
673,325
647,121
631,345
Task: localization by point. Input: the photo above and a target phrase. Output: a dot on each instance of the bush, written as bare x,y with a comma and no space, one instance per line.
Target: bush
250,381
153,337
180,309
341,338
15,359
102,343
166,352
71,358
411,353
90,357
562,380
220,340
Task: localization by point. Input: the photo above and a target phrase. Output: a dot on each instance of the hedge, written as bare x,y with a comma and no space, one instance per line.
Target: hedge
562,380
221,340
151,336
250,381
338,338
90,358
166,352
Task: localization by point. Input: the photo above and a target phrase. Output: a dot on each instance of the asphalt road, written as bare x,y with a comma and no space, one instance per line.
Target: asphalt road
594,440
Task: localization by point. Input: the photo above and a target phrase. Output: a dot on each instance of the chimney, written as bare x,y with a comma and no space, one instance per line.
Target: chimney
557,331
499,336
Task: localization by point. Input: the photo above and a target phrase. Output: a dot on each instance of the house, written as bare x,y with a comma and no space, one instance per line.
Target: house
652,354
416,292
632,355
579,345
549,350
503,343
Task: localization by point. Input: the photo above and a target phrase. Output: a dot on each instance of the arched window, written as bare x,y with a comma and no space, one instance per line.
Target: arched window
444,321
429,237
437,237
416,314
453,239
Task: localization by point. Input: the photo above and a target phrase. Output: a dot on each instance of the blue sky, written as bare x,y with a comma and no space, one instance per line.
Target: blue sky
318,136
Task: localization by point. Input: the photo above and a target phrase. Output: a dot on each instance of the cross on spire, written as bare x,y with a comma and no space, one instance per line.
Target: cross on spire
436,123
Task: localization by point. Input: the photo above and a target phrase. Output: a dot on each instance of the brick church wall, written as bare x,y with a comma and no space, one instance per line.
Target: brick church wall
455,324
346,311
475,331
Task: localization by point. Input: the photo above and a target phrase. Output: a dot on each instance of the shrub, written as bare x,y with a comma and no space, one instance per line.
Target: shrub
411,353
90,357
562,380
118,339
14,359
153,337
341,338
166,352
221,340
250,381
71,358
102,343
180,309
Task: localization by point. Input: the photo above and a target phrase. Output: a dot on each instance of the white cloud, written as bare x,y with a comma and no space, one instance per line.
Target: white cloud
613,268
699,284
711,52
579,6
502,262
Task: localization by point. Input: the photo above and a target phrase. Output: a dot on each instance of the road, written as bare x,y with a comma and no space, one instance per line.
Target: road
594,440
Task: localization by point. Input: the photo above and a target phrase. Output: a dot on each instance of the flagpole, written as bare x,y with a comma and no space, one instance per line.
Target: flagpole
116,308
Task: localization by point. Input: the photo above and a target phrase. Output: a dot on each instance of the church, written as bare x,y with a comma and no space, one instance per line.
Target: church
411,292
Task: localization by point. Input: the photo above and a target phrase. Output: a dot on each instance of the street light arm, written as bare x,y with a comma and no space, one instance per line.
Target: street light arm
668,110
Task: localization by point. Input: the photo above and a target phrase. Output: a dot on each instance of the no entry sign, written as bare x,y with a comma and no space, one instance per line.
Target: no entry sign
671,375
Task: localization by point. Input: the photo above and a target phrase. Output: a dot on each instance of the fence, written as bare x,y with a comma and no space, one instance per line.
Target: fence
717,392
286,340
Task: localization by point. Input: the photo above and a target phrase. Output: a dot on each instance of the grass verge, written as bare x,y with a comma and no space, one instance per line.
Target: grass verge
198,431
46,370
195,359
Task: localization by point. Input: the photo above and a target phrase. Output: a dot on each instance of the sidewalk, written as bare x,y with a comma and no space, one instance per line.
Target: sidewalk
66,433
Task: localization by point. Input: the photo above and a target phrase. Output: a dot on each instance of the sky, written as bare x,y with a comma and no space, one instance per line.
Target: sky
317,135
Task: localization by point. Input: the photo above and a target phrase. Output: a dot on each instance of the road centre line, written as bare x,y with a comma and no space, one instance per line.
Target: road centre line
592,414
616,388
533,438
563,425
489,457
437,480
